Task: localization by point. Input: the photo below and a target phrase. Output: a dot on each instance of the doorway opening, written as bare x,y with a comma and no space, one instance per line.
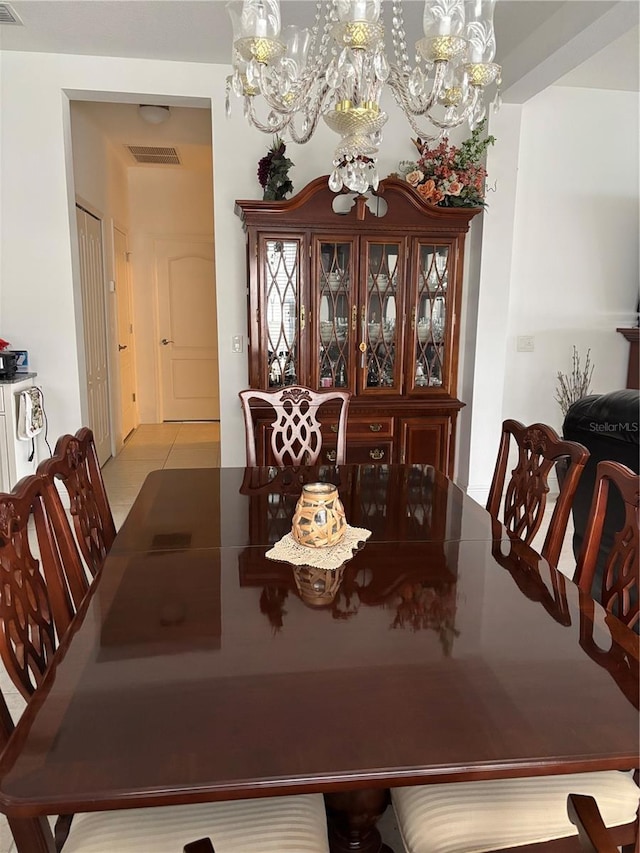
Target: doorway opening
157,270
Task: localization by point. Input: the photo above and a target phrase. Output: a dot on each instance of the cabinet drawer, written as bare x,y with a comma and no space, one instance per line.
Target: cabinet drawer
358,427
374,452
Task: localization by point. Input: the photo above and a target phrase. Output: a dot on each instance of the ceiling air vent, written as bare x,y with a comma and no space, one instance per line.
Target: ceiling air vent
153,154
8,16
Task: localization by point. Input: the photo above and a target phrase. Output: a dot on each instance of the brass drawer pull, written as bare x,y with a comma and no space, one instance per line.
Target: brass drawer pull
376,454
334,427
375,427
331,455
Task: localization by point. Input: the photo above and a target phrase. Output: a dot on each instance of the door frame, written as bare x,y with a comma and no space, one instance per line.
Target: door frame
172,238
114,363
79,201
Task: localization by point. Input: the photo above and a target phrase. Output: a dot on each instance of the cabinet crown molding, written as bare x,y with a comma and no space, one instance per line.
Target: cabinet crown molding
405,206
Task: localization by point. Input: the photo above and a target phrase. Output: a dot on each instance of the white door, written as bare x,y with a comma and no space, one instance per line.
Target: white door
94,316
187,339
125,334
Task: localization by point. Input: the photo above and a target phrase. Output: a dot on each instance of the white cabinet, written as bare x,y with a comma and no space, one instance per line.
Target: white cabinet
14,454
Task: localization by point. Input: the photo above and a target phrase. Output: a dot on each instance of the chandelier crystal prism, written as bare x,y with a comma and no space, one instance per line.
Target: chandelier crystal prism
338,68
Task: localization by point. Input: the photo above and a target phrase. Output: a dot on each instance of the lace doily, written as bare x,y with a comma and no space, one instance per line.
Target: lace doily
287,550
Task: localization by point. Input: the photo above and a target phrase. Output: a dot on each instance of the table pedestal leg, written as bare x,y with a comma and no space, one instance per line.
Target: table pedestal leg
352,820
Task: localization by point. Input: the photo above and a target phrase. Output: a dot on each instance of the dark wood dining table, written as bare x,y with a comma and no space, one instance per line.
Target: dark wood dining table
197,669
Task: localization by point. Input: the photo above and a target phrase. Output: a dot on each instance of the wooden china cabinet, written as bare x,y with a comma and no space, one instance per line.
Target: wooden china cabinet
361,293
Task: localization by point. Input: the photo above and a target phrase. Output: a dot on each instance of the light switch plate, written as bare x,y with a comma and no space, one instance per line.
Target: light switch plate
525,343
236,343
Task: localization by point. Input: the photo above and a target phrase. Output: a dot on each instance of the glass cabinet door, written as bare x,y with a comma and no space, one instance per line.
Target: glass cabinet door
428,365
334,324
381,316
280,261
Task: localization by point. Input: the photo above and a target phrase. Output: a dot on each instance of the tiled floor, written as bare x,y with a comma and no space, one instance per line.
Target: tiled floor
190,445
153,446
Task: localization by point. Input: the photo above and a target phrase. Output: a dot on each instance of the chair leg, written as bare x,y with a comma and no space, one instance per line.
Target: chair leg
61,830
202,845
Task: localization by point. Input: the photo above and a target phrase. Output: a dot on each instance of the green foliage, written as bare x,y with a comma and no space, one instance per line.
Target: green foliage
273,172
472,150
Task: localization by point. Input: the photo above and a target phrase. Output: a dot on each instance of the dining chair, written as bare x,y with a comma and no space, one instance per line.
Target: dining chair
27,644
527,813
592,832
539,447
296,435
75,464
617,589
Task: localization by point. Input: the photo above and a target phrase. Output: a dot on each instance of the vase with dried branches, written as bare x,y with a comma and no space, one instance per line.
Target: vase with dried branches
575,385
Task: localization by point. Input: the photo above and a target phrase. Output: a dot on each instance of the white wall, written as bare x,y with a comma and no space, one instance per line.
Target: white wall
165,203
571,229
36,297
100,181
575,244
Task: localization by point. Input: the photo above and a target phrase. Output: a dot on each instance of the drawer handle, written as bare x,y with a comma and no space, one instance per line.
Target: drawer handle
331,455
334,427
376,454
375,427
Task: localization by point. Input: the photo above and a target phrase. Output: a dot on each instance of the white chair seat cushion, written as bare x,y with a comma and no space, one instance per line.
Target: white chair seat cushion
274,825
471,817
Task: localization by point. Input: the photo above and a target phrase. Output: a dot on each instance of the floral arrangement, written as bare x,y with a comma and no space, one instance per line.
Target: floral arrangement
273,172
448,176
576,385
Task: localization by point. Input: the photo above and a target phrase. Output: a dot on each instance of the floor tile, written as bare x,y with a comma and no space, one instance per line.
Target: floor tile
155,432
119,513
128,473
201,457
198,432
6,684
16,705
119,467
122,493
140,452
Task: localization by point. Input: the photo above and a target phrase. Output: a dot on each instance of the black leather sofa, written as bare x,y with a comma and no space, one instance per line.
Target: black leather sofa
609,427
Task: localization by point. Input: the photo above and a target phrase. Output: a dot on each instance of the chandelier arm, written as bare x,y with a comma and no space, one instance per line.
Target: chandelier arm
312,117
255,121
296,101
409,104
462,117
443,125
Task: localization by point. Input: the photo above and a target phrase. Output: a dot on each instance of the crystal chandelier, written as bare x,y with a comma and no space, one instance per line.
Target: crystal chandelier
338,68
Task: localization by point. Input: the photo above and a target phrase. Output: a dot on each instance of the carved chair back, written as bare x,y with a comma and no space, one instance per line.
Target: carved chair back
621,576
75,463
35,609
29,597
539,448
296,437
